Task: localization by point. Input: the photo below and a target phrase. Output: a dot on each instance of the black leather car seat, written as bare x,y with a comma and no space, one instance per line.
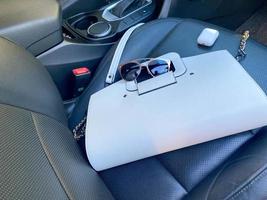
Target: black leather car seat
39,158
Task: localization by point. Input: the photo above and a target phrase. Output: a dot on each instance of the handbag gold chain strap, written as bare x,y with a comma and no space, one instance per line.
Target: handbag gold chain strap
242,47
79,129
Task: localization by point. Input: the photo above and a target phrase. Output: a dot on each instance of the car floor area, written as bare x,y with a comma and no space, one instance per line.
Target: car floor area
257,25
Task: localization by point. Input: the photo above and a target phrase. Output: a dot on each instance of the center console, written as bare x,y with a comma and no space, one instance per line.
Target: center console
88,36
109,22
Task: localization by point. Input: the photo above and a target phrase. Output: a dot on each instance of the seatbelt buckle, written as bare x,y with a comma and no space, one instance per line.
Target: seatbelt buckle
81,78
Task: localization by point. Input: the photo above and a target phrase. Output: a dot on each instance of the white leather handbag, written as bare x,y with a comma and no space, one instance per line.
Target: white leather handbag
209,96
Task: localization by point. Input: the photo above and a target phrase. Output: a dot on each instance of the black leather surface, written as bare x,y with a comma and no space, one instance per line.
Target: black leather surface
25,83
186,172
191,165
33,24
39,158
25,171
242,176
181,171
146,179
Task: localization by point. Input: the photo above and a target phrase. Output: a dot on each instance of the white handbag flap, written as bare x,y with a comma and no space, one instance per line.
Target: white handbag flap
157,82
214,98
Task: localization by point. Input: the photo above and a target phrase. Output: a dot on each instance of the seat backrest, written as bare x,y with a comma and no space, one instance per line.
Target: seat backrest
39,159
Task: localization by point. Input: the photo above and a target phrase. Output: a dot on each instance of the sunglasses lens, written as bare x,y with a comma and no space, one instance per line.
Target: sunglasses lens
130,71
158,67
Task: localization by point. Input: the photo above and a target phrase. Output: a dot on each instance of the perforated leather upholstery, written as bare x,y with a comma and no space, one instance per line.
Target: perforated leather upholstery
39,159
183,173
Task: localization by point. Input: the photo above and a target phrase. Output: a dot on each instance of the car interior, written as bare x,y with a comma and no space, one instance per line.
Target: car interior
63,137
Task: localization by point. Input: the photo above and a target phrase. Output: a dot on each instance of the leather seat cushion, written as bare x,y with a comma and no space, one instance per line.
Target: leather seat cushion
39,158
189,172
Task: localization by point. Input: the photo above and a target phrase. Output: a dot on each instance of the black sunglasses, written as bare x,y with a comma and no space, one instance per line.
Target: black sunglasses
131,70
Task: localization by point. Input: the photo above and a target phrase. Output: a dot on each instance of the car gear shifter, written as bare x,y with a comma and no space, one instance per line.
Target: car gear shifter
125,7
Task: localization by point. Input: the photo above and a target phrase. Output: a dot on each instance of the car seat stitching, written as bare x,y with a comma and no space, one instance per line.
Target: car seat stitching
252,182
220,172
26,109
49,158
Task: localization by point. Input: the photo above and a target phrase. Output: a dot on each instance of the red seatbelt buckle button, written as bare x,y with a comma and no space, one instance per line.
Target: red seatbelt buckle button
81,71
81,79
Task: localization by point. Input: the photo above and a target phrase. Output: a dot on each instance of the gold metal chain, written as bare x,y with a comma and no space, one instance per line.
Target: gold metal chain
241,51
79,129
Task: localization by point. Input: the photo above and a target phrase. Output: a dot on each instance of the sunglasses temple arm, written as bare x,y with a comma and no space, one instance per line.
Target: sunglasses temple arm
131,86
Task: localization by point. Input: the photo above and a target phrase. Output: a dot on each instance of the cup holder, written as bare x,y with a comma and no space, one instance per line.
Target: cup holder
99,29
90,26
84,22
101,26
